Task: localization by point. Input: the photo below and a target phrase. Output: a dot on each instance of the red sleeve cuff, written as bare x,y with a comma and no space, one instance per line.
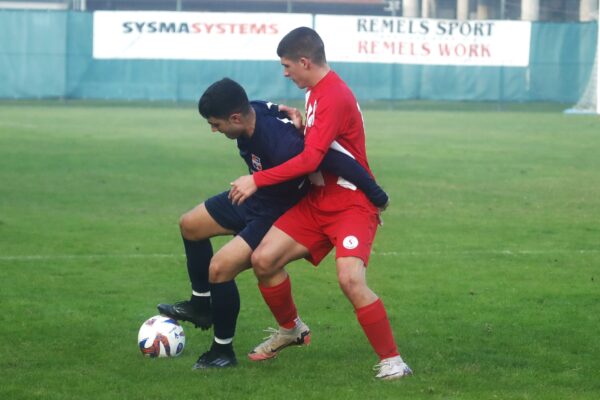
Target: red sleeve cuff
259,179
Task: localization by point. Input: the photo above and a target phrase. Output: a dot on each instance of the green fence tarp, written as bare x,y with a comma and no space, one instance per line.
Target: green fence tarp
48,54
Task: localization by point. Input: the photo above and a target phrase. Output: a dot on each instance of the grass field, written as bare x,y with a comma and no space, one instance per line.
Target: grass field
488,262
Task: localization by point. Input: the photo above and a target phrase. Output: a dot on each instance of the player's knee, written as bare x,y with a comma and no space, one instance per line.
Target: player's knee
262,263
217,271
188,226
351,284
185,225
347,283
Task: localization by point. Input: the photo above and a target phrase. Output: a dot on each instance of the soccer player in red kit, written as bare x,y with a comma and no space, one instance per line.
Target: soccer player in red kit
333,214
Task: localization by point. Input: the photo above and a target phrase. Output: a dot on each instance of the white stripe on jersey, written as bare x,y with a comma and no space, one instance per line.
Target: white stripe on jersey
336,146
316,178
341,181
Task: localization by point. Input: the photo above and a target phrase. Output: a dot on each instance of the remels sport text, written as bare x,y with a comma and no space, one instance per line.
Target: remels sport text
425,27
199,27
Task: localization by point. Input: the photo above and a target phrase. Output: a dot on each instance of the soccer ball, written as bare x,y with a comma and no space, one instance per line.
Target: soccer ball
161,337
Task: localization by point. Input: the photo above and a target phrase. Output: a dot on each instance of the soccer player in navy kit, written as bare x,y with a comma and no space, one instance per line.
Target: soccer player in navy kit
265,138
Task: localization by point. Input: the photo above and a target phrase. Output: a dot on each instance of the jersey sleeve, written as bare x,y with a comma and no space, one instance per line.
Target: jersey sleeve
327,116
348,168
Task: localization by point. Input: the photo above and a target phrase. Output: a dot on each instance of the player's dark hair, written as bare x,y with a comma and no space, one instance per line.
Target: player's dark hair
302,42
223,98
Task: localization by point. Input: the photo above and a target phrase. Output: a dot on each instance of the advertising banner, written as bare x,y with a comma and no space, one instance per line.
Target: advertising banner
424,41
191,36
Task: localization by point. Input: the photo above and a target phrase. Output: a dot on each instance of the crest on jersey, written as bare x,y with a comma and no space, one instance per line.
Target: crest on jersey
256,164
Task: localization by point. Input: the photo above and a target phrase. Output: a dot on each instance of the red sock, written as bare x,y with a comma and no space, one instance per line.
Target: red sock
376,325
280,301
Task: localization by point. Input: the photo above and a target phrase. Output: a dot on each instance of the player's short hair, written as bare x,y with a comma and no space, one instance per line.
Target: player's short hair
223,98
302,42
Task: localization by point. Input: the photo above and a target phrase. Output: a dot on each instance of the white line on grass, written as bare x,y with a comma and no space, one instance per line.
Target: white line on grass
50,257
17,125
487,252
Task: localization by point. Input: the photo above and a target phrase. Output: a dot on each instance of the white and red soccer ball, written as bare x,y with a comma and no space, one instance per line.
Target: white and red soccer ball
161,336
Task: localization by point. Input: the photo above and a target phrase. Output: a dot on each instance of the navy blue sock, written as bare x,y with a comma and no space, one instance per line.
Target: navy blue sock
225,300
198,254
200,303
222,348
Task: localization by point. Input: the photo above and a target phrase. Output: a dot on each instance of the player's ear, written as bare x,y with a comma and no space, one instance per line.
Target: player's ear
304,62
235,118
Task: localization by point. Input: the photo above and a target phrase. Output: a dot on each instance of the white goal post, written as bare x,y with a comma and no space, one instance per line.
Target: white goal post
589,102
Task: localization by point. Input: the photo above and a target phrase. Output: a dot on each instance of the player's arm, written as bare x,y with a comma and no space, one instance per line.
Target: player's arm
348,168
322,133
343,165
304,163
316,145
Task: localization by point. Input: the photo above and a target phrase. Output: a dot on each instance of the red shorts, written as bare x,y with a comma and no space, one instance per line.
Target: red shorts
351,231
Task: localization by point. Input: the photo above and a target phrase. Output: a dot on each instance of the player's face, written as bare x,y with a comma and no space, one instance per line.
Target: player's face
295,70
226,127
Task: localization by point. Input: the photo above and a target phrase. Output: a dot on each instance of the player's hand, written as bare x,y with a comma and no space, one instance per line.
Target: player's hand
383,207
380,210
294,114
242,188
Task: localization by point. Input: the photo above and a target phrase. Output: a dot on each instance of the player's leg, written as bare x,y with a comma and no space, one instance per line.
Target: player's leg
295,235
213,218
275,251
371,316
351,273
268,261
226,264
356,234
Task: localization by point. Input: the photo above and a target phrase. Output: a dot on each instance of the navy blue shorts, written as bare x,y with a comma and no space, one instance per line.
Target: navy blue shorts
248,220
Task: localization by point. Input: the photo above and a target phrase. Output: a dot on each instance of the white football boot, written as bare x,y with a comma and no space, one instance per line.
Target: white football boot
392,368
280,339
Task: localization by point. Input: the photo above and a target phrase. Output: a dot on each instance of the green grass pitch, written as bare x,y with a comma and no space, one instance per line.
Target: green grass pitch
488,261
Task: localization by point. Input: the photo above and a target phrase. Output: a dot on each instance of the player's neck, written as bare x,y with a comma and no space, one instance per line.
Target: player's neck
250,123
319,73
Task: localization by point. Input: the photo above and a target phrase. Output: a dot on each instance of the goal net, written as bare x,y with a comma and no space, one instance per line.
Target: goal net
588,102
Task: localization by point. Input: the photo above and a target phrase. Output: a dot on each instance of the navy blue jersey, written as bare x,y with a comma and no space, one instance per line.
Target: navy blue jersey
274,141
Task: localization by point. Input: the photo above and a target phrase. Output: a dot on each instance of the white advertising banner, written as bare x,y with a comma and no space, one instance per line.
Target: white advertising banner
424,41
191,36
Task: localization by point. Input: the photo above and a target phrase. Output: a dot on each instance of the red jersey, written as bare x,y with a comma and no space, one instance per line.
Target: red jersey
333,119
